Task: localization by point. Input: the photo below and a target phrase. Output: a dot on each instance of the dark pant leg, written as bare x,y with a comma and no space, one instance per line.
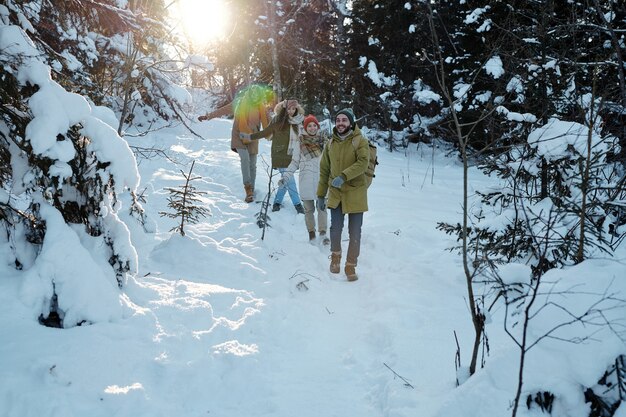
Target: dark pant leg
355,221
336,228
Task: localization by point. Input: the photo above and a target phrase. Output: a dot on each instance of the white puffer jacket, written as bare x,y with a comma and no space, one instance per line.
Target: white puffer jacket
309,174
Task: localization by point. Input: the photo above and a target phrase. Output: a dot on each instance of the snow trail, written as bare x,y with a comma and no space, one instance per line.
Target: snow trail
330,334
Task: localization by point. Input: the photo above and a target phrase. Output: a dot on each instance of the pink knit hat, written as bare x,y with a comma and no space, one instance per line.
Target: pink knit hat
310,119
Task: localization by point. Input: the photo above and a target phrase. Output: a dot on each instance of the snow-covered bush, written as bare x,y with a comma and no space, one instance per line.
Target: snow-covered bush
553,207
59,201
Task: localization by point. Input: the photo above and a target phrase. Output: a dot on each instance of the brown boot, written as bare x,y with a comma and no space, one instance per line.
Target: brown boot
312,235
350,271
335,261
249,193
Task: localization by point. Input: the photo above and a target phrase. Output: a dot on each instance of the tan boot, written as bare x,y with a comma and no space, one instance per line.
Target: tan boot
350,271
249,193
335,261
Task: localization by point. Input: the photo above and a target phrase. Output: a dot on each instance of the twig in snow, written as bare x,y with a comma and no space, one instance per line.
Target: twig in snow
406,382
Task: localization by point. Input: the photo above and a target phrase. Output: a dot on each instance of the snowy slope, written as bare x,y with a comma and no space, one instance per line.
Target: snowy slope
222,323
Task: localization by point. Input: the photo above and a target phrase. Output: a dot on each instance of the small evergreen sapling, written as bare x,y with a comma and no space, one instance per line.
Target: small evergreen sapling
262,218
183,201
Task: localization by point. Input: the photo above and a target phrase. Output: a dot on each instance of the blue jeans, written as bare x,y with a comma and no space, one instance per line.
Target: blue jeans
355,221
291,187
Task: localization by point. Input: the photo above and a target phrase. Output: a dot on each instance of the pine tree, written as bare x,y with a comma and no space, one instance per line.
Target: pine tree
73,169
184,203
118,56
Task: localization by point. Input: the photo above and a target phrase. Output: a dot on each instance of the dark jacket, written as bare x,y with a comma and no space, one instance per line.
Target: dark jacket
280,135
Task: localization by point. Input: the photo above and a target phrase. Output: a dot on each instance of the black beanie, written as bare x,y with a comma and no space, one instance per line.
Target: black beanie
349,114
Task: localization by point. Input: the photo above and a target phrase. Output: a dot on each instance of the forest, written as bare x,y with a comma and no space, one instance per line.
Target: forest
532,93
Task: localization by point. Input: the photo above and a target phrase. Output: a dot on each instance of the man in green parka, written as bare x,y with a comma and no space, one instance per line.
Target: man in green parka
342,176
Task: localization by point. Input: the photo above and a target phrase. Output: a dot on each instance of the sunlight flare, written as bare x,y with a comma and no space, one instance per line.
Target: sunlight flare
204,21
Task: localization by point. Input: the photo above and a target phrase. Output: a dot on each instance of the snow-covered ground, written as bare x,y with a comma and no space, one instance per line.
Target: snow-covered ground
222,323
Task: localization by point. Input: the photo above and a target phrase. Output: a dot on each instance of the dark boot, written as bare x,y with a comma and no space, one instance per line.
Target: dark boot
335,261
312,235
276,207
351,272
325,239
299,208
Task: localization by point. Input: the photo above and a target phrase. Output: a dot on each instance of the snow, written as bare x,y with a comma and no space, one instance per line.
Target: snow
485,26
461,90
423,94
517,117
13,41
179,94
494,67
514,273
475,15
222,323
106,115
373,41
378,78
515,84
484,97
4,14
55,111
109,146
200,61
554,139
84,293
426,97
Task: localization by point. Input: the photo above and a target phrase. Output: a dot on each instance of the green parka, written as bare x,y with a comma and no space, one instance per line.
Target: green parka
341,157
280,134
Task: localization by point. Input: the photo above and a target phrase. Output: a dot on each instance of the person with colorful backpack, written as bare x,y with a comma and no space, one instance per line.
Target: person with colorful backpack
343,166
250,115
306,158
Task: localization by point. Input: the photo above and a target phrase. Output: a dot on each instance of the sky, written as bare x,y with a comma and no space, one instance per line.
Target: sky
222,323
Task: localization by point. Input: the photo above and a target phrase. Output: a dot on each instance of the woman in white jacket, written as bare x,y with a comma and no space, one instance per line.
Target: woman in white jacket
306,158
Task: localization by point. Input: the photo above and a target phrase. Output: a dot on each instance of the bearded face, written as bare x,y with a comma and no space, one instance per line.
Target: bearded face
342,123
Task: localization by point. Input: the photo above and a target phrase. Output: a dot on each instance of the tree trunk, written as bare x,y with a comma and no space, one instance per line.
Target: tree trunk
277,82
477,317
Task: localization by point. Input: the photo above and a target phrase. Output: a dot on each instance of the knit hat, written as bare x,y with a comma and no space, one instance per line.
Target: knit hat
349,114
310,119
291,103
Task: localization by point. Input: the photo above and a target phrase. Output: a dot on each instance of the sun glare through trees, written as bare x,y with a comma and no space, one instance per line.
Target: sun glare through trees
204,21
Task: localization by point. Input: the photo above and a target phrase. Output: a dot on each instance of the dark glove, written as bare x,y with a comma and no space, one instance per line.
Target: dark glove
202,118
282,183
337,182
321,203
